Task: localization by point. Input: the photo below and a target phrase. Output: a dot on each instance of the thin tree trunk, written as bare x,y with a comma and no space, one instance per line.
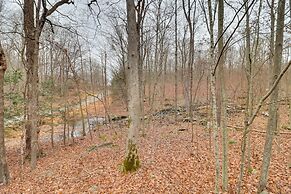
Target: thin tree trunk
272,41
73,127
176,60
223,98
140,20
82,113
51,95
215,129
4,173
246,138
273,108
213,98
52,122
65,124
88,118
107,118
249,122
249,112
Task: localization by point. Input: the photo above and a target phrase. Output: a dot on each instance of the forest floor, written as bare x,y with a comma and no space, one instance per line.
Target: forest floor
170,162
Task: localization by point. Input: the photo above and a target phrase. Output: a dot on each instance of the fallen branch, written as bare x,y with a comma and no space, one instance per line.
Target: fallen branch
280,132
258,131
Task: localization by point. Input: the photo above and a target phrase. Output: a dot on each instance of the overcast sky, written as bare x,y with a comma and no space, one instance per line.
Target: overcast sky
96,28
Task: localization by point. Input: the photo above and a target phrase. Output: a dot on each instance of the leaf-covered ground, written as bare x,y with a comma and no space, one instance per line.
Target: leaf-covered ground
170,162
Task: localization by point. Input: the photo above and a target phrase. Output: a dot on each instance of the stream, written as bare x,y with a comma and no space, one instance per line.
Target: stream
90,124
45,134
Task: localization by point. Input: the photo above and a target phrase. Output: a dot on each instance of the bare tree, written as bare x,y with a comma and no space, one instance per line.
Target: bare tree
35,16
273,107
222,97
211,18
131,162
176,59
4,173
191,6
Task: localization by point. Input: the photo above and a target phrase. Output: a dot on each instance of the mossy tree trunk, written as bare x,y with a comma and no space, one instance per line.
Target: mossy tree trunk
131,162
4,173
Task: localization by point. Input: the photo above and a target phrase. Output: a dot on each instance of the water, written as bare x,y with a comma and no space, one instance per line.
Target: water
90,124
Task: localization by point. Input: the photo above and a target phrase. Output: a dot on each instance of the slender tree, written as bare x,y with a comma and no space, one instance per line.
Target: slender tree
223,97
35,17
191,6
4,173
273,107
176,59
131,162
211,17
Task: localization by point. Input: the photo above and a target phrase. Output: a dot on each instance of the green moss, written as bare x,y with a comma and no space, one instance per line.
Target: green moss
232,142
103,137
131,162
12,131
286,127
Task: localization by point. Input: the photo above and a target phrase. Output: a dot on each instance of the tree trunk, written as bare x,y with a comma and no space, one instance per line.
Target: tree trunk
34,15
65,120
141,46
223,98
131,162
273,107
272,41
245,139
82,112
176,60
189,79
88,117
215,129
32,44
213,98
4,173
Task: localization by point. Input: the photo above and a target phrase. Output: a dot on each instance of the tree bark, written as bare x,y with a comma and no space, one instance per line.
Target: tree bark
213,98
4,173
131,162
32,45
272,40
189,79
223,98
176,60
273,107
34,21
141,11
245,140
